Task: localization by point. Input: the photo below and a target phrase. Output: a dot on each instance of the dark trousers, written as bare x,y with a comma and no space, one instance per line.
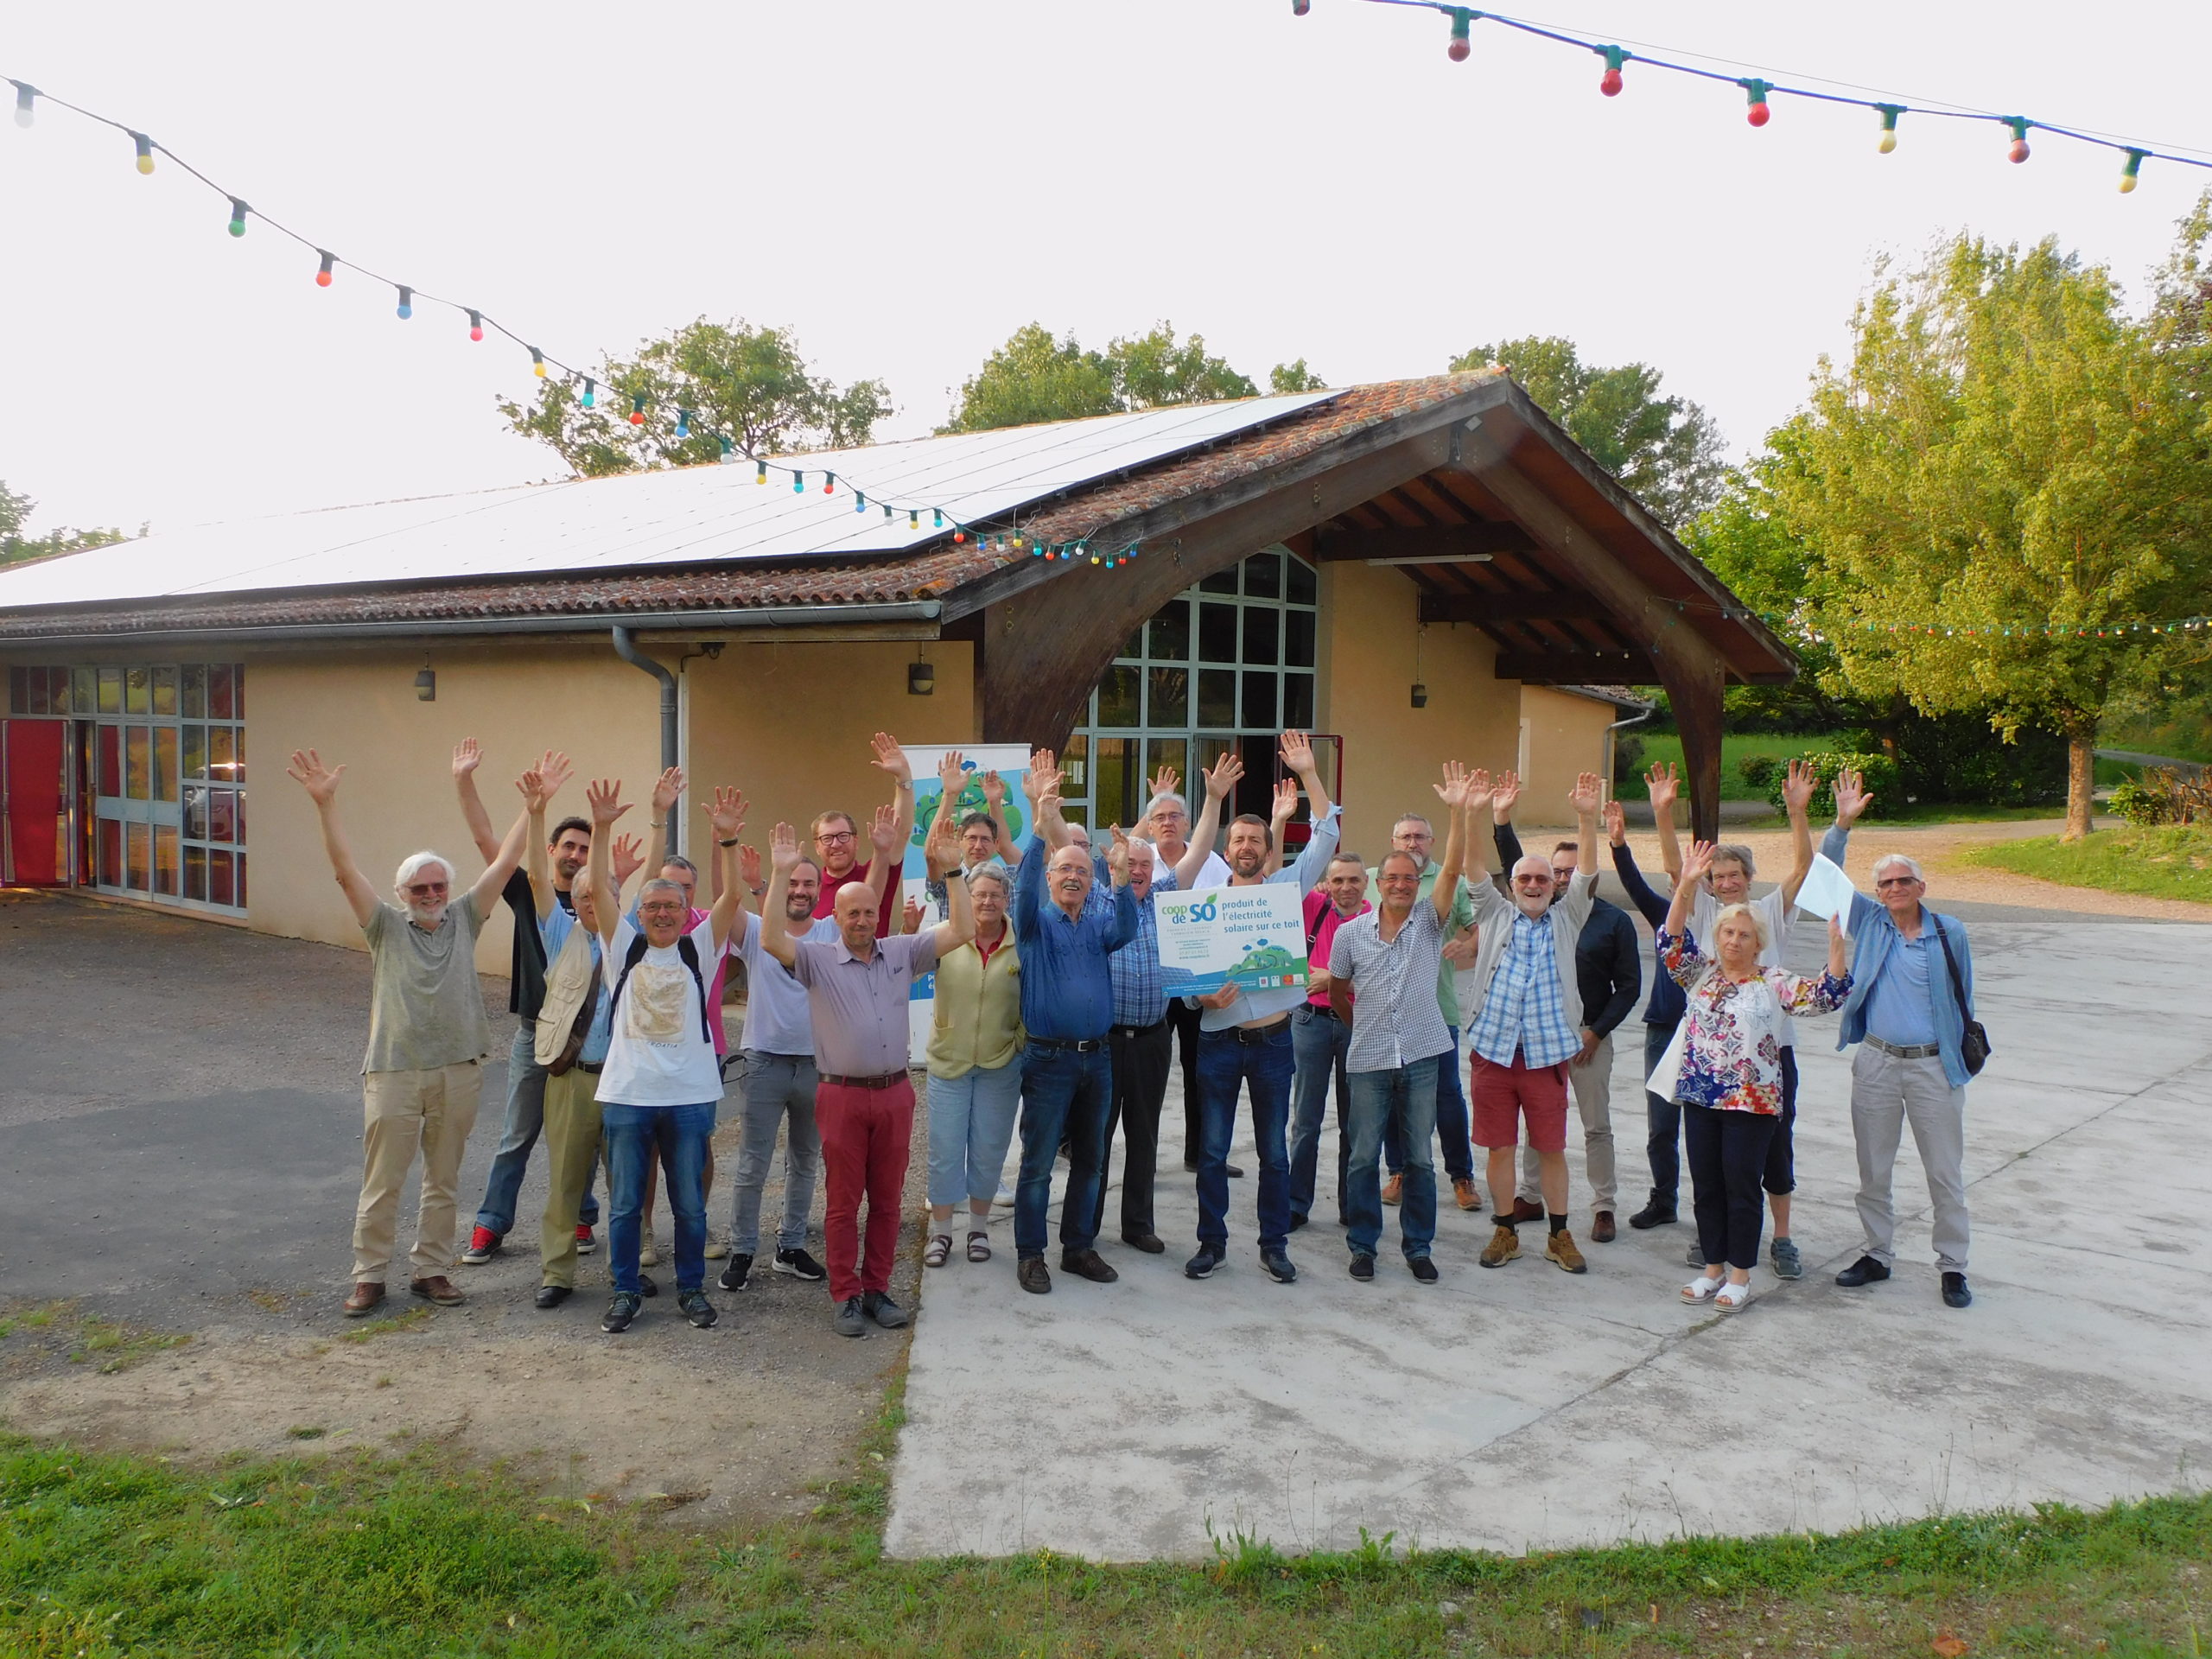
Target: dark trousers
1662,1137
1141,1056
1064,1095
1780,1175
1727,1153
1229,1060
1184,1020
1319,1042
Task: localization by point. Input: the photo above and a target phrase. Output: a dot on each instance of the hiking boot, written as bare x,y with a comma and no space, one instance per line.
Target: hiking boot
694,1306
1653,1214
1463,1189
739,1273
1504,1245
799,1265
620,1312
1788,1264
885,1312
483,1245
1560,1248
849,1320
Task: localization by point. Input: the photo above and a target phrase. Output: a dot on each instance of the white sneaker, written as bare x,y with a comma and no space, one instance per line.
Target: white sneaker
1005,1194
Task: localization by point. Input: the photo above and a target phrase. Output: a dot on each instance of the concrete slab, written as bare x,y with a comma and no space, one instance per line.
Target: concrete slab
1526,1409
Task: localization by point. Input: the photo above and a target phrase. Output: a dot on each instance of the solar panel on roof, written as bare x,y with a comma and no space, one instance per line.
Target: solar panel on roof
695,515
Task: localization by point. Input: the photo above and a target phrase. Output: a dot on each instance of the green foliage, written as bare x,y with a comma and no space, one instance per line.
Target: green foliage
1628,760
2162,796
1968,759
749,383
1883,781
1760,773
15,546
1665,450
2167,862
1295,376
1035,378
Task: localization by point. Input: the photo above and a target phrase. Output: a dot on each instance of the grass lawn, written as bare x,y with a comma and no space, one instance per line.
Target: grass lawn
107,1555
1667,746
2173,863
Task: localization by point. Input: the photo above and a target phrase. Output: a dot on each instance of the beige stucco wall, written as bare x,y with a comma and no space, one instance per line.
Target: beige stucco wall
1567,735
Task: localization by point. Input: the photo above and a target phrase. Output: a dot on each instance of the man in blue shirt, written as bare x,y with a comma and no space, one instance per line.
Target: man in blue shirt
1067,1006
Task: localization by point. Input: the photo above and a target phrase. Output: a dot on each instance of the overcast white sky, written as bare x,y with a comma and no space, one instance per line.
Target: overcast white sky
904,184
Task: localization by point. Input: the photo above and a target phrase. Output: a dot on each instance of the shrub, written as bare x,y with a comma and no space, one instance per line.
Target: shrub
1958,758
1628,761
1881,774
2162,796
1759,772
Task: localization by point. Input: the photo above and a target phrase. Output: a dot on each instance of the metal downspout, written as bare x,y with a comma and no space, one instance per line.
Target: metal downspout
626,647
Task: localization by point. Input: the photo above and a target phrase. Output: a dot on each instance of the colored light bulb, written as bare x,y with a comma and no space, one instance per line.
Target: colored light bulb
1755,92
322,275
959,535
1462,20
1890,113
828,483
537,362
1610,82
1300,8
591,393
729,450
145,146
24,93
914,519
475,325
406,304
799,483
886,512
637,411
238,217
2128,170
683,424
939,518
2016,151
860,502
759,471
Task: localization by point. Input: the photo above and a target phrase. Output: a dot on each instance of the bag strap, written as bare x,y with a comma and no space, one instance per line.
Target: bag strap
1958,986
689,952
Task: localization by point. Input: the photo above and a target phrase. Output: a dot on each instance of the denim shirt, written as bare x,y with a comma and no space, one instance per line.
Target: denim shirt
1875,936
1067,991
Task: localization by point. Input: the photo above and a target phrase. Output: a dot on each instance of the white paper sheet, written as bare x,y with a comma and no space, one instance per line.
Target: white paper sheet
1828,890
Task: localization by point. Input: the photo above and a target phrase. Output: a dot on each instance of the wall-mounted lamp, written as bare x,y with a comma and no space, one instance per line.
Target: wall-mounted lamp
1421,691
1420,695
426,686
921,679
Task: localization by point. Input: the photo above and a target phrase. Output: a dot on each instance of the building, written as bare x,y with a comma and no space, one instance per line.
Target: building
1422,569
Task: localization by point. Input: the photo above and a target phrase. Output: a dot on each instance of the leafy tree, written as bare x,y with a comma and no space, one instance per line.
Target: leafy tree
749,384
1035,378
1665,450
15,546
1295,376
2006,451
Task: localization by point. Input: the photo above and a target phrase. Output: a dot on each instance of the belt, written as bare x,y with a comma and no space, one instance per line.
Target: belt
581,1065
1322,1009
1907,1051
1139,1030
1248,1035
882,1080
1074,1046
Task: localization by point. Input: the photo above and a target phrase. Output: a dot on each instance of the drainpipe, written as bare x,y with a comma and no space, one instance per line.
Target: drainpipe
626,647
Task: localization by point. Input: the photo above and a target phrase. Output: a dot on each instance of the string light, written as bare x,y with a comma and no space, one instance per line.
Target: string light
322,275
828,483
591,392
1300,8
799,483
1888,113
145,147
2132,166
1462,21
238,211
637,411
537,362
406,301
683,424
1756,90
475,324
24,93
761,472
2017,150
730,449
1610,83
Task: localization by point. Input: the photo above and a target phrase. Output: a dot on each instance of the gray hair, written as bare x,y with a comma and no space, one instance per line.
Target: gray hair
662,884
1741,854
1887,859
992,872
1536,861
680,862
415,863
1411,817
1183,805
1741,913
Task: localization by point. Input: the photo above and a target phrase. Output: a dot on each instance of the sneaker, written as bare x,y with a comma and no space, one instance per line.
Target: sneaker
1866,1270
1005,1194
620,1312
1394,1189
1363,1266
849,1320
1033,1276
1463,1189
647,1256
1955,1294
1695,1257
1202,1265
1787,1263
1278,1265
1422,1268
483,1245
694,1306
1653,1214
716,1248
885,1312
1504,1244
799,1265
587,1240
1559,1247
739,1273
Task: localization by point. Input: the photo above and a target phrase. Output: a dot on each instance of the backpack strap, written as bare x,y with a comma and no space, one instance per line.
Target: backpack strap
684,948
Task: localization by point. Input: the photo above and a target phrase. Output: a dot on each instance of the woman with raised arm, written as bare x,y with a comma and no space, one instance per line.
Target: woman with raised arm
975,1069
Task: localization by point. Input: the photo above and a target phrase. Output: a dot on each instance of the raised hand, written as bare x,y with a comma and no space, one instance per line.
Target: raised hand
994,791
605,800
1664,784
1851,796
1225,774
883,832
320,781
625,858
749,865
1044,775
783,848
1504,792
1457,788
1478,787
1117,855
556,769
910,916
532,785
1163,782
726,812
941,851
1616,825
667,788
1798,785
1298,752
890,757
1285,807
952,778
1696,862
468,755
1589,790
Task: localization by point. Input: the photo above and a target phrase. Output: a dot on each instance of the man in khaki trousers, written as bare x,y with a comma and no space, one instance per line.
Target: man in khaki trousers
428,1037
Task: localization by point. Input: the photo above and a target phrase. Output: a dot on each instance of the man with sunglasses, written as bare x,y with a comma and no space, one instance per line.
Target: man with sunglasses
837,839
428,1037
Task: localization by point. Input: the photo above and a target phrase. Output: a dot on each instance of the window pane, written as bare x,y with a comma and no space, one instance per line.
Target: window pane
195,750
110,764
1113,800
1171,632
1211,749
165,690
237,712
221,763
57,681
1297,639
1076,813
1075,765
219,879
110,691
1263,576
1216,634
19,692
195,812
195,873
137,779
1171,697
138,849
83,698
1133,646
1297,701
1170,752
1217,696
1305,588
164,763
1260,700
1261,635
238,829
219,691
238,754
1222,582
165,860
221,817
138,691
237,866
1119,702
195,690
110,838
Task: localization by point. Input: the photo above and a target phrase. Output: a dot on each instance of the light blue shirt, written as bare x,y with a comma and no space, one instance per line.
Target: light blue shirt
1320,848
1899,1008
777,1017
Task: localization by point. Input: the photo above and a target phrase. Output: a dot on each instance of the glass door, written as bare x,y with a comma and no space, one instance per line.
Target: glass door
168,771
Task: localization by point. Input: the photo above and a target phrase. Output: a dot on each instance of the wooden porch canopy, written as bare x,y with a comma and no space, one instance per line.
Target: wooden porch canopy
1501,520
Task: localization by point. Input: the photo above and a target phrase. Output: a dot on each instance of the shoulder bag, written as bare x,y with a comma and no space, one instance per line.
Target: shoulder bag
1974,1048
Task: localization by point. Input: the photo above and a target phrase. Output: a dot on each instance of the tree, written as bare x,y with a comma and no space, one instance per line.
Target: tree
1295,376
2003,490
1665,450
1035,378
748,384
15,546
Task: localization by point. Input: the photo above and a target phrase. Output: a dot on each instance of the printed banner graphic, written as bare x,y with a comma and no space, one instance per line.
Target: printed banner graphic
1252,938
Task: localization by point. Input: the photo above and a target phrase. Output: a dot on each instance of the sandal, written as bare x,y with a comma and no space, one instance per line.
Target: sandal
939,1252
1702,1289
979,1246
1732,1297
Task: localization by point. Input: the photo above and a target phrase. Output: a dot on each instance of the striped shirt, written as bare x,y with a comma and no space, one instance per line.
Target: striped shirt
1523,1010
1396,1021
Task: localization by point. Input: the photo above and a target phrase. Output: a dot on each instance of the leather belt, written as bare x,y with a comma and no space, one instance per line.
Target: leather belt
1074,1046
882,1080
581,1065
1129,1032
1249,1035
1322,1009
1907,1051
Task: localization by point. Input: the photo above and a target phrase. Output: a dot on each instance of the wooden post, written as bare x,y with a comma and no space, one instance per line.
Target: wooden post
1696,698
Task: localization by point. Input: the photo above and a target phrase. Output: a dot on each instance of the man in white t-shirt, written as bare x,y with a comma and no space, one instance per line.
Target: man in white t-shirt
662,1079
1729,882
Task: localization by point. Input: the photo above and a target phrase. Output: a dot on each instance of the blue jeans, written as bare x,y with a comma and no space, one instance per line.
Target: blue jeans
1063,1093
1663,1139
1407,1095
1317,1041
971,1125
1225,1063
1453,1128
525,1120
678,1135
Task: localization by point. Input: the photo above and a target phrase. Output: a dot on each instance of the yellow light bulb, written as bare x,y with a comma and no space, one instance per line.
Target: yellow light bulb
1888,143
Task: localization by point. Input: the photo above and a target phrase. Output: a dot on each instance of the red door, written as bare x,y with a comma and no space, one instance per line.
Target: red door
37,855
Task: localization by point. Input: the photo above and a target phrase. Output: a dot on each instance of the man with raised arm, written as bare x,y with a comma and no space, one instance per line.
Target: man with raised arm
1166,823
836,838
1384,965
1244,1036
857,987
1729,882
1524,1024
428,1037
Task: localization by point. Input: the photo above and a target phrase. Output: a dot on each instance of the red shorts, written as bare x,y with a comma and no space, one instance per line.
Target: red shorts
1502,1097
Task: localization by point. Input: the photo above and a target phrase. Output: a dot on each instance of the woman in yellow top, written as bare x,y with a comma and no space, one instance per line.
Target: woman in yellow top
975,1061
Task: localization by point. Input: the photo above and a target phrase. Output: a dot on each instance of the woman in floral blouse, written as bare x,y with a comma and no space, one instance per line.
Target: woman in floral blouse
1724,1065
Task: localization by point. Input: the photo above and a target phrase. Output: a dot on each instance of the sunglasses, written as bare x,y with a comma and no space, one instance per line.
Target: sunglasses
1898,881
426,889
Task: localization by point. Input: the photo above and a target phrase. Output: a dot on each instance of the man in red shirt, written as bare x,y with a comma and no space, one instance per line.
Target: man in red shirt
836,839
1319,1038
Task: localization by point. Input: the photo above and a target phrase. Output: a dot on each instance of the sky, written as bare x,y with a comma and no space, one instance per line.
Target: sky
904,185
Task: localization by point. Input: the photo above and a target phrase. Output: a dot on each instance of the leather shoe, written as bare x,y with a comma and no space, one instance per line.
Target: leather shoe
553,1295
1033,1277
1297,1221
1864,1271
436,1289
365,1298
1464,1191
1088,1264
1601,1228
1148,1243
1234,1173
1653,1214
1524,1210
1955,1294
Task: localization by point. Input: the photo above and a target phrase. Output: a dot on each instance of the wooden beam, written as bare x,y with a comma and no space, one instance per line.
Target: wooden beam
1440,541
1578,668
1512,607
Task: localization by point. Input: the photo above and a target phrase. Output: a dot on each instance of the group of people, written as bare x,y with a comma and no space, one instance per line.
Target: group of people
1054,1019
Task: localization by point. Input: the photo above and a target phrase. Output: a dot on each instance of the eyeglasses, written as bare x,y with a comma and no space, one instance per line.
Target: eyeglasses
1413,834
665,908
426,889
1544,876
834,837
1898,881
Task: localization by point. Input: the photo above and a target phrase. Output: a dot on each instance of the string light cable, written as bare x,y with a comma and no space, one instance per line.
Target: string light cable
544,364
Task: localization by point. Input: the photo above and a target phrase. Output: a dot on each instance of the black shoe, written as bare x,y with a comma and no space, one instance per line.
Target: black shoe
694,1306
1088,1264
1955,1294
1363,1266
885,1312
620,1313
1278,1265
1864,1271
1297,1221
739,1273
1234,1173
849,1320
1033,1276
1202,1265
646,1287
1148,1243
553,1295
1423,1268
799,1265
1653,1214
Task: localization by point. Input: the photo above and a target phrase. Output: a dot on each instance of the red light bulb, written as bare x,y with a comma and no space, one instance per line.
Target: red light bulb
959,535
476,325
322,274
1610,83
1458,51
1758,114
1755,92
2018,150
